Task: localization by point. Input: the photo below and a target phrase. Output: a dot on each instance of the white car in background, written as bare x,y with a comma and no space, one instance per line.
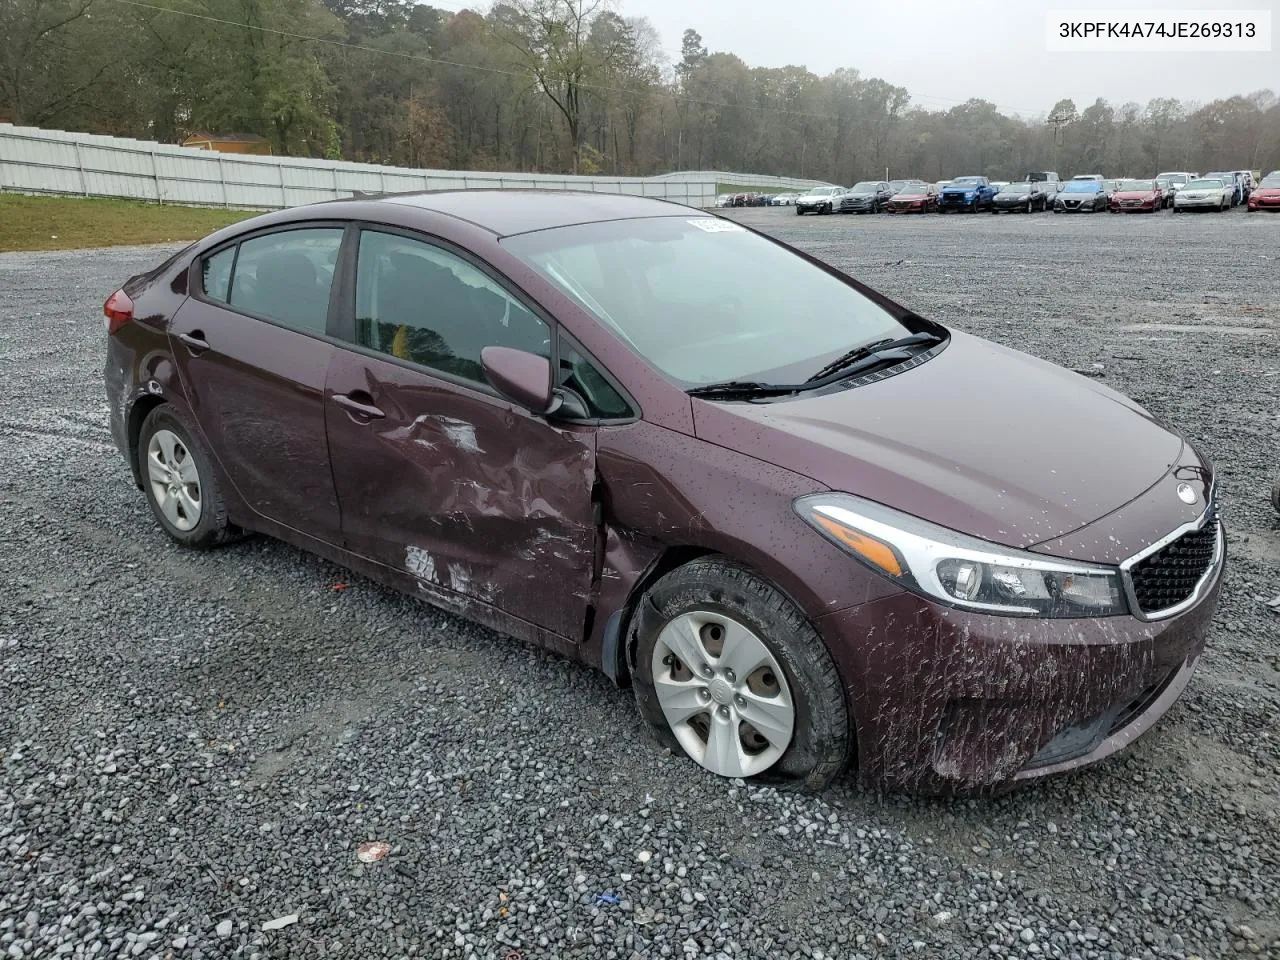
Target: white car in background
819,200
722,199
1204,195
783,200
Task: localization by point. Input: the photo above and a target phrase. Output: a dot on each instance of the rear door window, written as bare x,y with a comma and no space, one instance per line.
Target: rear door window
215,274
286,277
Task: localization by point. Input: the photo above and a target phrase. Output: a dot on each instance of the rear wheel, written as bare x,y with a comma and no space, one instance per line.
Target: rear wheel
179,482
730,673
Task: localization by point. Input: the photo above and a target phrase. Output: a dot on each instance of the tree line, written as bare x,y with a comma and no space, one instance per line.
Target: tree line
552,86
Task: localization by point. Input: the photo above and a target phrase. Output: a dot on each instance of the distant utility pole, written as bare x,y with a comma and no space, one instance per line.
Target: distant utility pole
1058,121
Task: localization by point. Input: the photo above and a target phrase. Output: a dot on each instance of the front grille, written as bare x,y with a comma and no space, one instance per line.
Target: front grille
1171,574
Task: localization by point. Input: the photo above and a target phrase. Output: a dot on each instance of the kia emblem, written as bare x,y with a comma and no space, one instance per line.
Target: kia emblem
1185,493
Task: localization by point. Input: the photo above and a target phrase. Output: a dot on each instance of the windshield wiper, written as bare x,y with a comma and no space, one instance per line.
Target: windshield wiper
869,354
744,389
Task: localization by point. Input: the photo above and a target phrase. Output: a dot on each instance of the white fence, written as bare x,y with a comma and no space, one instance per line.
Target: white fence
740,179
82,164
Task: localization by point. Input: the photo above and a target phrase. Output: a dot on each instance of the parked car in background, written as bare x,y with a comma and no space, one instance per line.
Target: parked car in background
897,185
818,200
914,198
1247,182
784,199
966,194
999,184
1081,196
1088,176
1233,180
866,196
1266,196
674,449
1137,196
1042,176
722,199
1207,193
1025,197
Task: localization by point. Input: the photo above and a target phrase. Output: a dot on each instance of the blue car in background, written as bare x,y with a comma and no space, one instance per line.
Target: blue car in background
968,194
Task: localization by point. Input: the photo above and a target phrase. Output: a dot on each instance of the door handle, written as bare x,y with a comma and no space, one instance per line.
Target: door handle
195,341
359,410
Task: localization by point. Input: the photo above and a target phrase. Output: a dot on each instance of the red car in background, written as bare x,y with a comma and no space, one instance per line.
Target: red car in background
914,198
1266,195
1137,196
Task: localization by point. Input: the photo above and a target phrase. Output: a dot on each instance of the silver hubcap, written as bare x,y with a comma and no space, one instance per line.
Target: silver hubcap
723,694
175,482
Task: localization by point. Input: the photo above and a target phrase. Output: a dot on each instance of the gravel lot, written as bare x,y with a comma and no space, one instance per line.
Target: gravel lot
195,744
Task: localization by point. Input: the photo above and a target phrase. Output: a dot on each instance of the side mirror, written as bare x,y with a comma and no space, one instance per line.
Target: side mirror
521,377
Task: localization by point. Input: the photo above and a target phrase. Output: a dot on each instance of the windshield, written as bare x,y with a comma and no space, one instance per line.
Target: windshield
1270,182
1207,184
913,189
1083,186
823,191
866,186
1136,186
1016,188
959,181
705,300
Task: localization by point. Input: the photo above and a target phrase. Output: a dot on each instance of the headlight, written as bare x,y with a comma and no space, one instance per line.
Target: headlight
960,570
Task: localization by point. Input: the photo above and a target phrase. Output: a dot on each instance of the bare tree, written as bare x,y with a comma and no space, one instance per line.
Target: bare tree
551,39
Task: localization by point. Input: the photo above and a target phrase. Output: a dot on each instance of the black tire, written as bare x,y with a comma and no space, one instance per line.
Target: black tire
213,528
1275,497
822,744
799,212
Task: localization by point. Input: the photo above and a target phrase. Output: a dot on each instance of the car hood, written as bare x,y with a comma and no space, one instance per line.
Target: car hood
981,439
963,187
1267,192
860,194
910,196
1134,194
1013,195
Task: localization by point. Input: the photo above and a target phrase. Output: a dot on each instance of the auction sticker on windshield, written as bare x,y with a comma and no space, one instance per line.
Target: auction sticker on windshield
711,225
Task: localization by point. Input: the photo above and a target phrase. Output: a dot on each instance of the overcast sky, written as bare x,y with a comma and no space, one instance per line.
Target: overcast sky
995,50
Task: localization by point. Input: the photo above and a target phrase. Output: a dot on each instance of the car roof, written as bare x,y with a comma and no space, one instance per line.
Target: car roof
508,212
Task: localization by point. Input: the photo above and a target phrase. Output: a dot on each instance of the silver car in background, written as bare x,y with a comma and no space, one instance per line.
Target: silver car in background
1204,195
819,200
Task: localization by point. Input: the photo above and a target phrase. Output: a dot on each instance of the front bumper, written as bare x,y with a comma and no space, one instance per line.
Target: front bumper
947,700
856,206
915,206
1182,203
1134,206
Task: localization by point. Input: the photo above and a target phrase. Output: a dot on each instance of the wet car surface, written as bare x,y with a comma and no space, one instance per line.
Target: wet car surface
477,418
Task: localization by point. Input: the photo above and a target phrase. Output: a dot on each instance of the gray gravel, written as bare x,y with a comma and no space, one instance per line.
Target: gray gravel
194,745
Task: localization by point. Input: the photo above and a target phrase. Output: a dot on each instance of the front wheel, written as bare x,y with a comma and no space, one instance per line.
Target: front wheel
799,212
731,674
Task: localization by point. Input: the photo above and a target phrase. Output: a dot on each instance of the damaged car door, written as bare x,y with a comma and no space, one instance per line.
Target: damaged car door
437,476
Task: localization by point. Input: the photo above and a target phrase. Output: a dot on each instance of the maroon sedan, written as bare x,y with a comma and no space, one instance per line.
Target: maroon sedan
810,527
1266,195
914,198
1137,196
